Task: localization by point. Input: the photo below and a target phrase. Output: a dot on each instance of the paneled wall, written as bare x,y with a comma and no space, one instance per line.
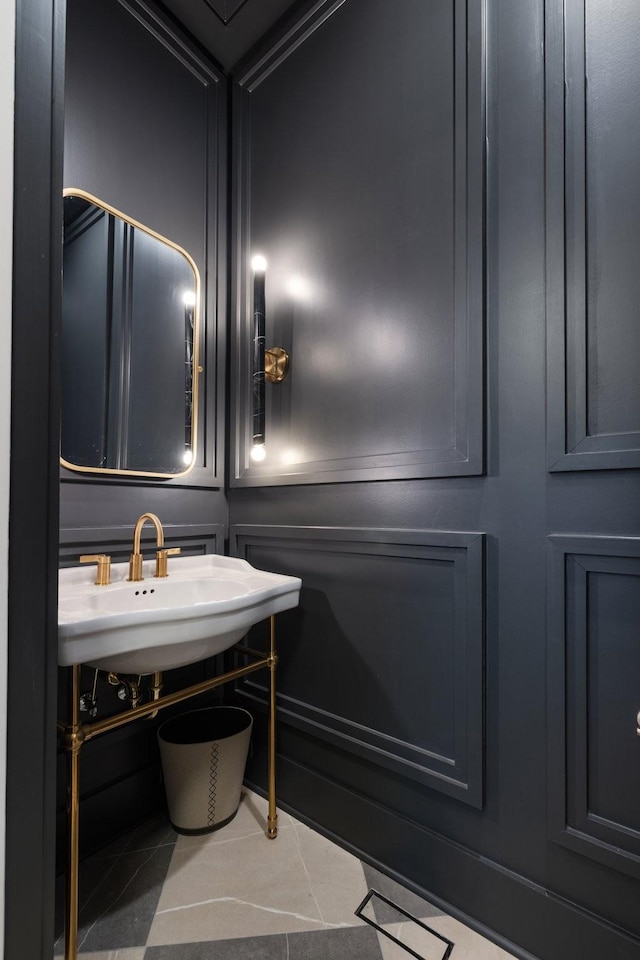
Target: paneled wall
594,339
594,722
365,191
145,131
448,212
149,138
413,645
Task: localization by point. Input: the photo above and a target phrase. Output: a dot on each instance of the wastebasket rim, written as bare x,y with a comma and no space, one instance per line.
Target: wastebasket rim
184,718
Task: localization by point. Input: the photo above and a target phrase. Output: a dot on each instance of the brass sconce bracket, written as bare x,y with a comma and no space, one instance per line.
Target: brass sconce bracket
276,364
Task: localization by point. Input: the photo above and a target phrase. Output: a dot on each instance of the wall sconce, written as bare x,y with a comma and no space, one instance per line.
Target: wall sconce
269,365
189,299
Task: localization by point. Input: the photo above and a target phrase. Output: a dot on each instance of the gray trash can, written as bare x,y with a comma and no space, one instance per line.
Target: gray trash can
203,755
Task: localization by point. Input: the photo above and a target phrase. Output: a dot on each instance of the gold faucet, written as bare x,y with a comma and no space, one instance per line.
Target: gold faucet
135,560
103,575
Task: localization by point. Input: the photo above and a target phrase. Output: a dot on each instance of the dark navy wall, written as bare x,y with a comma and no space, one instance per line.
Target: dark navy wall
33,518
451,462
364,190
433,598
84,369
145,131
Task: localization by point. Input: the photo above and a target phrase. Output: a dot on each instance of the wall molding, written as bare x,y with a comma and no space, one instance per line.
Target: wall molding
457,772
193,538
571,445
533,920
574,820
464,454
209,469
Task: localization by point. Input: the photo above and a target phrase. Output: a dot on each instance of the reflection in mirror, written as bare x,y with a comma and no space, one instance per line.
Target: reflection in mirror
129,345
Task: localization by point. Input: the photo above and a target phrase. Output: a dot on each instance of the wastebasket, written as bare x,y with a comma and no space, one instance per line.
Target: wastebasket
203,756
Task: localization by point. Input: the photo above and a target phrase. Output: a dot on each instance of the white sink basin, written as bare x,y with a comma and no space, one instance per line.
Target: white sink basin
204,606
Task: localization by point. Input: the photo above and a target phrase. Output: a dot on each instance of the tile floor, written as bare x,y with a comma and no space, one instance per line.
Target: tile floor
235,895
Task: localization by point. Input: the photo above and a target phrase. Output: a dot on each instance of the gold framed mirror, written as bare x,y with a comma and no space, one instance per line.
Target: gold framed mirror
129,345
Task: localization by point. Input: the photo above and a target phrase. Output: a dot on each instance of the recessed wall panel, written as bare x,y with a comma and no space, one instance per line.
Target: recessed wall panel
145,131
594,234
362,186
383,657
595,698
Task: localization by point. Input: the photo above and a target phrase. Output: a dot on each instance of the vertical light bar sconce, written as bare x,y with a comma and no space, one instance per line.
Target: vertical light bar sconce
189,299
267,365
259,266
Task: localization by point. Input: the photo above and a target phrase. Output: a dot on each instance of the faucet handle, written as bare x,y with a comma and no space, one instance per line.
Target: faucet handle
161,560
103,574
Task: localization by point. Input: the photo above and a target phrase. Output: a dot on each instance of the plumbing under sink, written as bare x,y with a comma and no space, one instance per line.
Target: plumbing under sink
206,605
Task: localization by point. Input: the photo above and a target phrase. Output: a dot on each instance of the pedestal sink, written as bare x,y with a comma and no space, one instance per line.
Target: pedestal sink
204,606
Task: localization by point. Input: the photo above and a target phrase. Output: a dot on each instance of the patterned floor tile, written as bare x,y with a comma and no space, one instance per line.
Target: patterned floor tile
242,948
336,877
96,871
358,943
249,886
236,895
397,939
468,945
118,899
392,890
402,935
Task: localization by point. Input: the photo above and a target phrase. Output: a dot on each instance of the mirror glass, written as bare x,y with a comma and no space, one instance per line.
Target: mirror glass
129,345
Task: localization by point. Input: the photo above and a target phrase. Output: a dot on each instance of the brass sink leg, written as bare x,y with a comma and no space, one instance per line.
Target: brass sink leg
272,818
73,740
156,690
74,734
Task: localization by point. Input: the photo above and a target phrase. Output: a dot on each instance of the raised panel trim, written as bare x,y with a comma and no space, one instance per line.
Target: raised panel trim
256,72
460,776
541,921
117,540
219,7
571,824
568,443
465,457
209,471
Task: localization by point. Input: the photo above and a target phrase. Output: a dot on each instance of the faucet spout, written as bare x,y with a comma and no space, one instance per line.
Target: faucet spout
135,560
